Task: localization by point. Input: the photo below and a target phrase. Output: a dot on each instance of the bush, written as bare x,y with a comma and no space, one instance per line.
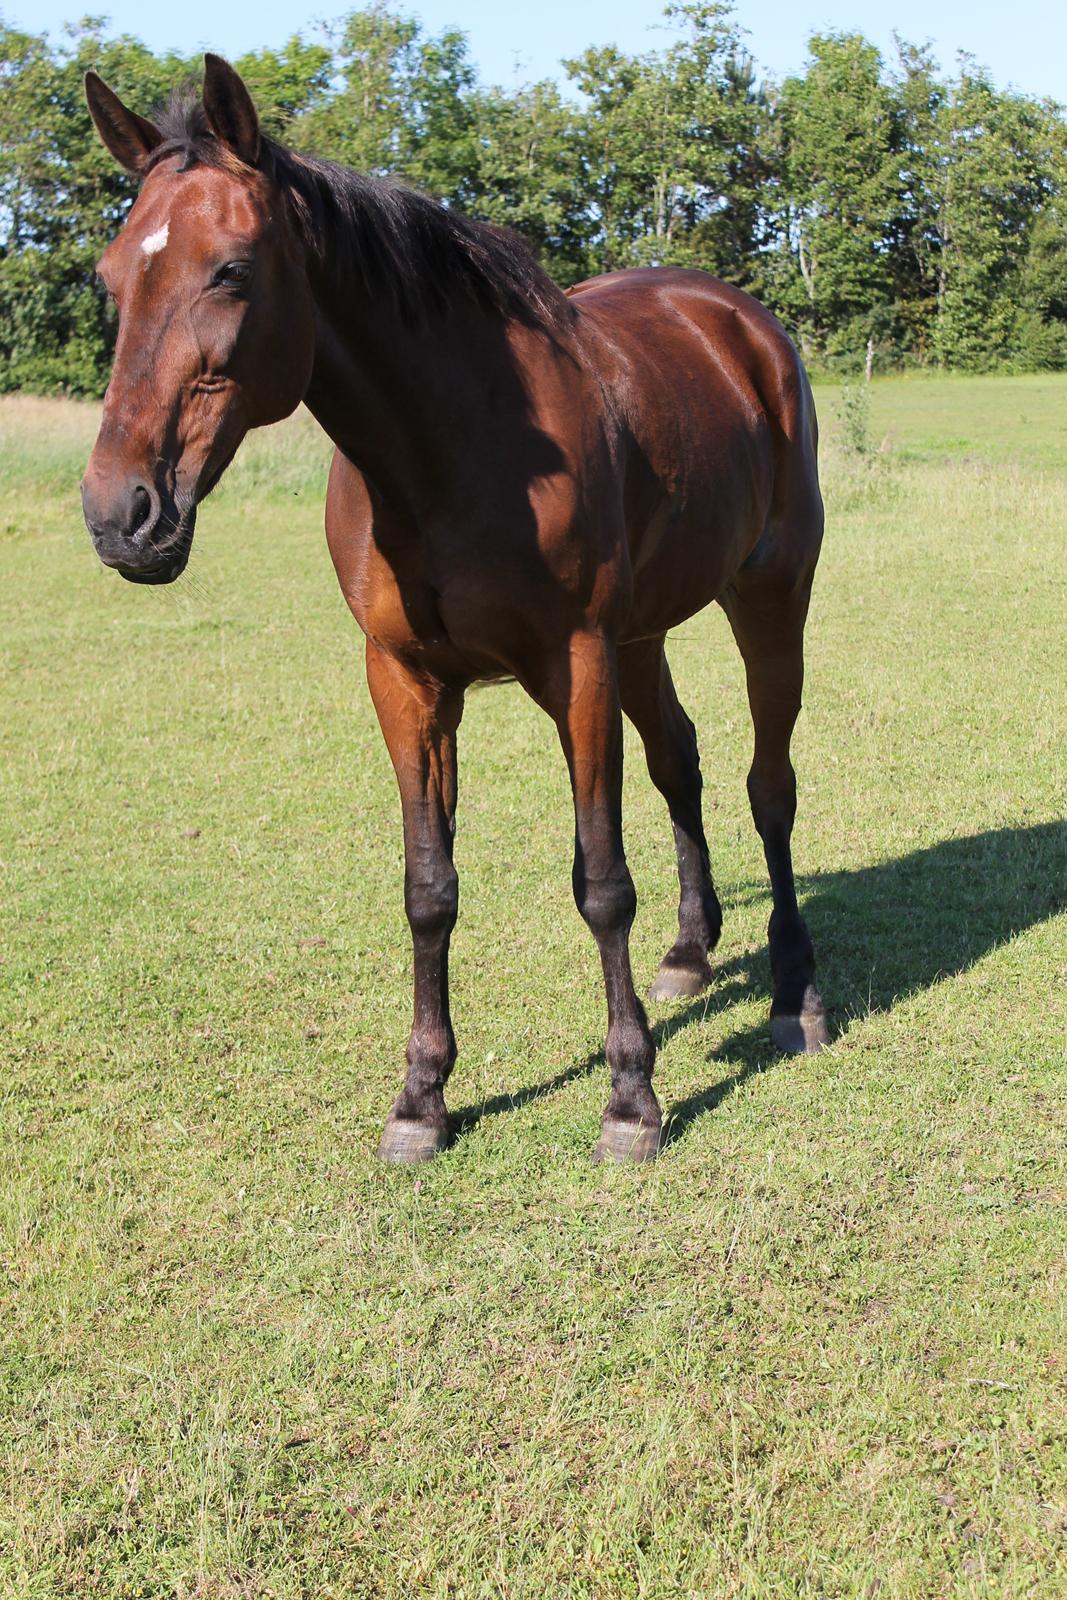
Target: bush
854,414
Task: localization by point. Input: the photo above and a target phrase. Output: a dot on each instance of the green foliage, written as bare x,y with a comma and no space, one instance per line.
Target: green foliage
61,199
287,84
854,418
994,165
862,201
527,175
666,147
841,178
1040,325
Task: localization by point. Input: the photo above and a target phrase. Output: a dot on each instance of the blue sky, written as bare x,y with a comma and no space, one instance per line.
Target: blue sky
1024,44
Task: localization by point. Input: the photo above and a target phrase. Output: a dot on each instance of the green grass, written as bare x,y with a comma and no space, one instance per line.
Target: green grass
817,1350
1010,421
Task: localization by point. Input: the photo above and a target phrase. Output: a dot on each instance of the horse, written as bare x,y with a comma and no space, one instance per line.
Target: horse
527,484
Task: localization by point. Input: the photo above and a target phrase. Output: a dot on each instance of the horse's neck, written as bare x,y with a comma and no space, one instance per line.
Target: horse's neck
399,399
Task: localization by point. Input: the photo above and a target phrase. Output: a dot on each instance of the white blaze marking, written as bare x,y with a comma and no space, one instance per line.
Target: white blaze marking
155,241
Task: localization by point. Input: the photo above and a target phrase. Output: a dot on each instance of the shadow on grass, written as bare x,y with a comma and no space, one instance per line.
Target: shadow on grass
717,999
886,932
881,934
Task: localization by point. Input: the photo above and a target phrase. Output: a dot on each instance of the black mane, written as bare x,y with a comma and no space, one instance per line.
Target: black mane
388,239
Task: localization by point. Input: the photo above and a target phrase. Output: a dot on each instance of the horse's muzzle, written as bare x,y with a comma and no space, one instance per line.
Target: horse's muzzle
134,533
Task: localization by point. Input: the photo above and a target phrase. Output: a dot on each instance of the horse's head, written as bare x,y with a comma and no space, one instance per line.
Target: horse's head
215,321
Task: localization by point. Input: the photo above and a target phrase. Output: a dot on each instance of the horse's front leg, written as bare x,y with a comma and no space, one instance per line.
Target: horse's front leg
584,702
419,720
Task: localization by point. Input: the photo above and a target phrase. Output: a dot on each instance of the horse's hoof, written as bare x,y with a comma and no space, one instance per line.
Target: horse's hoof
680,982
804,1035
407,1142
627,1141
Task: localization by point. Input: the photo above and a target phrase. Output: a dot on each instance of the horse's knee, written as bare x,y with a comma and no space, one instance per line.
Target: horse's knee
677,777
608,905
432,903
772,794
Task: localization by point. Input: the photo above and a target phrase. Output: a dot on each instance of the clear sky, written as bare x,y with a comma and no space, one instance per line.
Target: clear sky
1024,43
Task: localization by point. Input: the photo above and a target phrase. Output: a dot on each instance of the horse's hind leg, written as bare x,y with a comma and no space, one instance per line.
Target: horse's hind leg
767,614
649,700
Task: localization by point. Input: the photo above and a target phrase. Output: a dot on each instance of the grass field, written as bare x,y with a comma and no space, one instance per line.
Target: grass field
819,1349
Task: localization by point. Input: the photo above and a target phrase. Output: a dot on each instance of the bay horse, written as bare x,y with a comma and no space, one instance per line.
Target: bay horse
526,484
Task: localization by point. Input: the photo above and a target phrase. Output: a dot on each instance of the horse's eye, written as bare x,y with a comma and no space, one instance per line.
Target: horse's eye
234,275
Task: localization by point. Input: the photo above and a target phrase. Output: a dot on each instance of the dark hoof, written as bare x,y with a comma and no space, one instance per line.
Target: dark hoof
804,1035
677,982
407,1142
627,1141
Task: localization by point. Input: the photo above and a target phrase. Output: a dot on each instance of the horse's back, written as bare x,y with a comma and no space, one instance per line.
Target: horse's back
718,434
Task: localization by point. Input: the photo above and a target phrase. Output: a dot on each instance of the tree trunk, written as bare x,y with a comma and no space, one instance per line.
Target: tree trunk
807,269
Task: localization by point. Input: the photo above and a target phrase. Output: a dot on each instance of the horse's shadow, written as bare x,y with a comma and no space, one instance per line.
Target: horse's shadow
881,933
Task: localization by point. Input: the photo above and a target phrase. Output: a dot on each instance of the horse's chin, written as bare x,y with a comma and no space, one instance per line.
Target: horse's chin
153,574
171,561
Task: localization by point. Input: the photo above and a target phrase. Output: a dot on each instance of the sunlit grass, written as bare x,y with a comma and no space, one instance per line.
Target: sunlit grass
817,1350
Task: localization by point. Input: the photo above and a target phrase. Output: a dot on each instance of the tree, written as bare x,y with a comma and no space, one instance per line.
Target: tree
63,198
287,84
526,174
666,146
858,201
839,192
992,162
1040,338
403,105
916,242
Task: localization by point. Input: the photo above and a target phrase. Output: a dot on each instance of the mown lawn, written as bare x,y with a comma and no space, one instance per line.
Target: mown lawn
818,1349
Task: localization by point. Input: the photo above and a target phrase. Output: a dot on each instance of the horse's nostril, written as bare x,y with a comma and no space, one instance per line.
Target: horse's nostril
142,510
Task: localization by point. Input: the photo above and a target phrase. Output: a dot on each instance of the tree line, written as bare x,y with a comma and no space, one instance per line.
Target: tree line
882,208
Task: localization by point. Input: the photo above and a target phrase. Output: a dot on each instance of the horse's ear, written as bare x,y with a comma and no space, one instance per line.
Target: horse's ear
130,138
229,109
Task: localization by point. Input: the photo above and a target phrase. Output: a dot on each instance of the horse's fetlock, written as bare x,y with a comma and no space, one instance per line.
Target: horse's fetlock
421,1103
792,964
633,1099
789,941
712,918
431,1055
